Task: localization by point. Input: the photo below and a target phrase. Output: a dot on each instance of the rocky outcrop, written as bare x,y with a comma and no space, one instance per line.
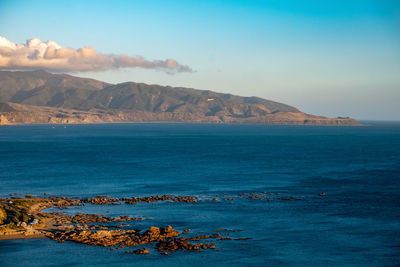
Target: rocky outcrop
23,217
166,239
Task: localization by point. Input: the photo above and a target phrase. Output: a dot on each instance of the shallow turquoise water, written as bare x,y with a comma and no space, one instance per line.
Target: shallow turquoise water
357,223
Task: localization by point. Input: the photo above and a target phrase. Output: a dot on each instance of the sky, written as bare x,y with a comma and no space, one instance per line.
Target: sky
331,58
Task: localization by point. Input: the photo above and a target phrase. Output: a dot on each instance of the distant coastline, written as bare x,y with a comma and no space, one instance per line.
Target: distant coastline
39,97
25,114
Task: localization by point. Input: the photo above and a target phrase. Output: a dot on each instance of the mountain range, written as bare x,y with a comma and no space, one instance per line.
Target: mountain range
42,97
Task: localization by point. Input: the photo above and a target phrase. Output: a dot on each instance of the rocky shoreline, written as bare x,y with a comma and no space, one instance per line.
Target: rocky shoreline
17,114
24,217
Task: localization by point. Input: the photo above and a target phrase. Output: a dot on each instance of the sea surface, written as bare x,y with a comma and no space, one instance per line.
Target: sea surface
357,222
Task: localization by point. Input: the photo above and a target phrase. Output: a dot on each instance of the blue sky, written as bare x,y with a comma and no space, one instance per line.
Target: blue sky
332,58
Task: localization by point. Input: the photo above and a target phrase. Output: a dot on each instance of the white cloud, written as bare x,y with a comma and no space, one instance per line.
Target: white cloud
49,55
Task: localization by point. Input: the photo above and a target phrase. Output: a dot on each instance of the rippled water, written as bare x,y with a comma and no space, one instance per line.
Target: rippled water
356,223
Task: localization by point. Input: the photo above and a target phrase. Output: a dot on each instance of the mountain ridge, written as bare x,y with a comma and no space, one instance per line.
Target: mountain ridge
154,102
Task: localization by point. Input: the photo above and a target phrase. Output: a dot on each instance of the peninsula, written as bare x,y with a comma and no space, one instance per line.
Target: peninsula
30,97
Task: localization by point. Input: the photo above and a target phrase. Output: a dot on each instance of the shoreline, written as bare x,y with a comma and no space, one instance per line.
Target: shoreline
24,218
21,236
27,114
361,124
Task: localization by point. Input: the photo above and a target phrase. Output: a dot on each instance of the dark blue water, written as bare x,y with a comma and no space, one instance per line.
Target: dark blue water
356,223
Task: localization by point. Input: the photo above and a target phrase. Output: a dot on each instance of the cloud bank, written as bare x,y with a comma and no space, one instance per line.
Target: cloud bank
49,55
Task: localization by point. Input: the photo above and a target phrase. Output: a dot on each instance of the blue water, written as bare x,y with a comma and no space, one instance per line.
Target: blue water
357,223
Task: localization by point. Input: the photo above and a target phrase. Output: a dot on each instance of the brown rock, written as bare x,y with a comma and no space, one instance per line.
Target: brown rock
139,251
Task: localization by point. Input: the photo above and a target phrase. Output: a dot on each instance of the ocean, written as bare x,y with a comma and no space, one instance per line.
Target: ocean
355,223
